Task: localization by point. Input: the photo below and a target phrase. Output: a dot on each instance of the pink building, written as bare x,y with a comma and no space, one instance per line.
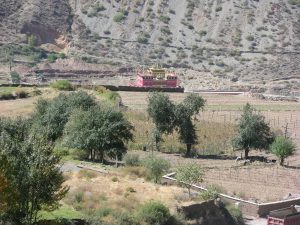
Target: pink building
155,77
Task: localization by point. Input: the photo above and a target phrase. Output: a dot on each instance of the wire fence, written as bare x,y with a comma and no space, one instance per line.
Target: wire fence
268,176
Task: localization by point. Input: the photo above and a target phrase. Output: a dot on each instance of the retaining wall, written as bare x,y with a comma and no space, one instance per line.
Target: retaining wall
247,207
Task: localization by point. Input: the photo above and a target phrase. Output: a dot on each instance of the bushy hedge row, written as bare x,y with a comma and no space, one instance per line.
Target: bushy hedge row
11,95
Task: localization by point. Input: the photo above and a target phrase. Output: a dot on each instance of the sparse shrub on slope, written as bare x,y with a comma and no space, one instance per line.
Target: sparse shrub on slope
120,16
132,160
143,38
153,213
294,2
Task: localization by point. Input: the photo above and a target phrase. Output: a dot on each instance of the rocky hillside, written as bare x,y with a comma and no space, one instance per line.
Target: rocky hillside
218,44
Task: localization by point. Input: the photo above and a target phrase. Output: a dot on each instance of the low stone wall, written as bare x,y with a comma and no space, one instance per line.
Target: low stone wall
265,208
110,87
247,207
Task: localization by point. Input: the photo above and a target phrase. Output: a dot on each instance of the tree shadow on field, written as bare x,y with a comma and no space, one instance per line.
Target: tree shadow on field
292,167
217,157
258,159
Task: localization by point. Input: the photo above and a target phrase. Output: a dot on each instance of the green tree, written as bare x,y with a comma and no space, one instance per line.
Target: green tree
50,116
252,131
33,173
194,103
189,174
184,112
168,116
15,77
100,130
32,40
156,167
186,128
282,147
161,110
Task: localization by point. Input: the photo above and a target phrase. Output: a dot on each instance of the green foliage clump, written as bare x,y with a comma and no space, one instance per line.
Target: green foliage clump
143,38
130,189
164,19
161,110
62,85
50,116
211,193
99,130
99,7
108,95
235,213
294,2
166,30
34,178
252,131
184,112
114,179
52,57
112,96
282,147
250,38
219,8
120,16
132,160
101,89
189,174
62,55
203,33
32,40
35,54
15,77
156,167
167,116
79,196
154,213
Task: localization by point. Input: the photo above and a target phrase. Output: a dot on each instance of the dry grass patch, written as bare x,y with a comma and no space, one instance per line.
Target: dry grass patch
124,195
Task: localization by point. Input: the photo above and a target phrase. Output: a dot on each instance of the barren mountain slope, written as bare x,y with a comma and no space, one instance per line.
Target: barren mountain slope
230,42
